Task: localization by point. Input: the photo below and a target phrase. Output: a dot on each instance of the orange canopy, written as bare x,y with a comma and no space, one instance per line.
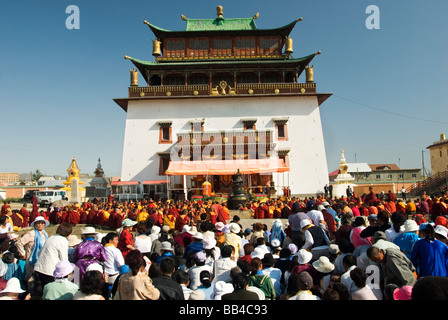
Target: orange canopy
225,167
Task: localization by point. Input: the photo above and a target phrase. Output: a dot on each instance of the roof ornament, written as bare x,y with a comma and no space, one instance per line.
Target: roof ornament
219,11
256,16
183,17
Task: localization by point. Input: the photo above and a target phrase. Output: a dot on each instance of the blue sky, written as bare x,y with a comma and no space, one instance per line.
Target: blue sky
57,85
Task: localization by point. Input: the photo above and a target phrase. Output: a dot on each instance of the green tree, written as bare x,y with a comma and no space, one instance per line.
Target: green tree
36,175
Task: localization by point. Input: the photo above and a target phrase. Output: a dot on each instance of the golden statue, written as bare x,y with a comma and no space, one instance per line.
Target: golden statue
73,173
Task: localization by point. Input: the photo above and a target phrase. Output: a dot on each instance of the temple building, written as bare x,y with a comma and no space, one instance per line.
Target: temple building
222,96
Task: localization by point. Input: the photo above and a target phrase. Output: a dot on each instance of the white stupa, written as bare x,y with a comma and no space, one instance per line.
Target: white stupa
343,179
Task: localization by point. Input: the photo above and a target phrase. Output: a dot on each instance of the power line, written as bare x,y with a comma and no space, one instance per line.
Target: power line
388,111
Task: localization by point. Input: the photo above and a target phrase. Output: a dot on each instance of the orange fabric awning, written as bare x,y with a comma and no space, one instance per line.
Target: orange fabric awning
226,167
155,181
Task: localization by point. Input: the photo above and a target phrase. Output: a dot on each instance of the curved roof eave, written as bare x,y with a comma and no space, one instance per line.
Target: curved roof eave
163,33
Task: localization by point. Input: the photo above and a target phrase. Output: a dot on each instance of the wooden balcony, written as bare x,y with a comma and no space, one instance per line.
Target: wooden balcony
222,89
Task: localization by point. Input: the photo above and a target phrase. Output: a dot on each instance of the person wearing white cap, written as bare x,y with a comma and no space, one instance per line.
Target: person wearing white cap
30,243
61,288
12,290
234,239
87,252
314,236
441,233
166,250
194,247
212,252
195,271
221,288
126,240
408,238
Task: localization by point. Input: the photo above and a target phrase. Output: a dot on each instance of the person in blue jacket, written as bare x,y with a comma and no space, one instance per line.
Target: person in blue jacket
430,255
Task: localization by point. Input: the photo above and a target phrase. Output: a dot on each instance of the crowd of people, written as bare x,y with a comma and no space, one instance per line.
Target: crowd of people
369,247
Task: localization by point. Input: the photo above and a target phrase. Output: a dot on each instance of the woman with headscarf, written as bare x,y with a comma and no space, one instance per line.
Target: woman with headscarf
277,232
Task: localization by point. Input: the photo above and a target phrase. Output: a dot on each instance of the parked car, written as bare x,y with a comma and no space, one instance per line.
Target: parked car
28,196
49,196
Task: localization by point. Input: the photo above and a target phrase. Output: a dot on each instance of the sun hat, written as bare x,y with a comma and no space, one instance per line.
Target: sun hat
40,218
73,240
186,228
303,256
88,230
219,226
95,267
166,228
323,265
62,269
293,248
320,207
198,235
258,253
275,243
13,286
220,289
197,294
235,228
166,245
410,226
200,256
333,248
372,217
325,204
403,293
208,243
304,223
155,230
439,229
128,222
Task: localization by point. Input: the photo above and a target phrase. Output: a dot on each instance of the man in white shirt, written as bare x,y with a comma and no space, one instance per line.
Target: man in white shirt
222,266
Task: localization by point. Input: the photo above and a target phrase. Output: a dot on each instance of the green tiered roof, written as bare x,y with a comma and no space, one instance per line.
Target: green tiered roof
220,24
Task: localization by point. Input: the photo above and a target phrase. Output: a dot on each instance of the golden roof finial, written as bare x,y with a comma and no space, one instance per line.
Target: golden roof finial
219,11
146,22
256,15
183,17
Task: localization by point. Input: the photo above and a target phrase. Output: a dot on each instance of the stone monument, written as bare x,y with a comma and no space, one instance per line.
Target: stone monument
73,174
343,179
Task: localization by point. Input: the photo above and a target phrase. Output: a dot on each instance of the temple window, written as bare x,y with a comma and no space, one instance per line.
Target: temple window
165,132
281,129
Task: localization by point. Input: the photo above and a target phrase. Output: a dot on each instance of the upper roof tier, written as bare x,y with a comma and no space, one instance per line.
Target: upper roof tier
204,27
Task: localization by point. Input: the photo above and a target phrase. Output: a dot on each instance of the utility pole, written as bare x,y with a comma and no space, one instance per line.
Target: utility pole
423,164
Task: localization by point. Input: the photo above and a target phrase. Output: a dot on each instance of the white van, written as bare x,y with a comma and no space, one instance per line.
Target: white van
49,196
